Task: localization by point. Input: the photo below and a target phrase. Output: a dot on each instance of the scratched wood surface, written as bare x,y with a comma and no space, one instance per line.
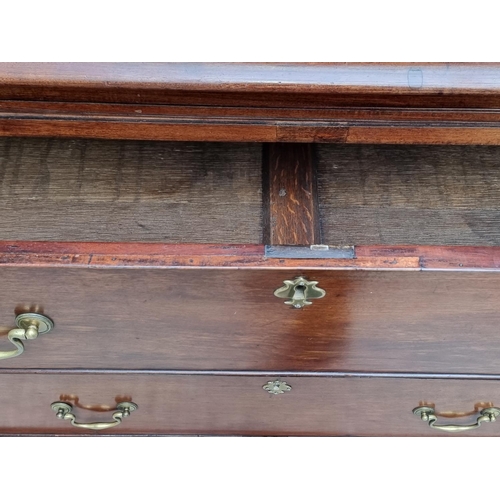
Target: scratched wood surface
409,195
401,321
89,190
238,405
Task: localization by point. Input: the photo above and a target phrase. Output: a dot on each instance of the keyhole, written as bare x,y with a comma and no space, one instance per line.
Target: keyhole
300,292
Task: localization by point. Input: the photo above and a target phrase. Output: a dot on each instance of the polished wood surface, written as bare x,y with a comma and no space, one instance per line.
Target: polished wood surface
448,258
409,195
291,212
194,256
85,190
348,103
157,82
197,128
221,405
219,319
154,268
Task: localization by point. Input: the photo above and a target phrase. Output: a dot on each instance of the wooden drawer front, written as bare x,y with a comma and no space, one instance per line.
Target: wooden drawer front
175,404
213,319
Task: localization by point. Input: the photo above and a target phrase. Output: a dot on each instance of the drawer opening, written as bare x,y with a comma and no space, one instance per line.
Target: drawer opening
130,191
409,195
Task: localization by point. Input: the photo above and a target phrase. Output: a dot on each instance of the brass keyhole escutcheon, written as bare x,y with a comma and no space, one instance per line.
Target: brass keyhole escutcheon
299,292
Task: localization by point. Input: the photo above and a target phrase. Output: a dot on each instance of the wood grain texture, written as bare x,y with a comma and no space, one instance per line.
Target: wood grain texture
206,315
337,103
160,113
249,130
192,256
201,131
222,319
290,195
200,261
439,258
412,195
415,134
54,189
193,405
162,82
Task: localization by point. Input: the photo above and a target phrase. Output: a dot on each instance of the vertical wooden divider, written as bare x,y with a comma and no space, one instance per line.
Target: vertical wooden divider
291,210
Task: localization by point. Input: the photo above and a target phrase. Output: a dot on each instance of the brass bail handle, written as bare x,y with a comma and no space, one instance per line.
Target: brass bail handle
29,326
427,414
64,411
299,292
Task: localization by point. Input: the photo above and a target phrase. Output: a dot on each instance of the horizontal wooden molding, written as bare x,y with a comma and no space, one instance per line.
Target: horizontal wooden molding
221,124
249,373
198,256
340,103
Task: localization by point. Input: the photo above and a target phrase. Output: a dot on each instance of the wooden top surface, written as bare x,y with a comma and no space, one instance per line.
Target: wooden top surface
73,80
255,77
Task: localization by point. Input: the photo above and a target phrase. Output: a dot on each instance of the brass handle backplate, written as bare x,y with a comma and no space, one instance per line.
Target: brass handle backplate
64,411
277,387
427,414
299,292
29,326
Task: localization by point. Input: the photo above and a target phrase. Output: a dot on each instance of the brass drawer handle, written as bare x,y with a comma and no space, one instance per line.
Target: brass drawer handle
30,325
64,412
299,292
427,414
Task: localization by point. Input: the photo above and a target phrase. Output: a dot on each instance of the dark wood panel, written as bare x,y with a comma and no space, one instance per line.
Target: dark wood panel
414,195
291,215
239,406
220,319
410,226
86,190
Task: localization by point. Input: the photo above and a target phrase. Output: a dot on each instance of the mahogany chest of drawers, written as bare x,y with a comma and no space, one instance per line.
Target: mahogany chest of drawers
245,249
